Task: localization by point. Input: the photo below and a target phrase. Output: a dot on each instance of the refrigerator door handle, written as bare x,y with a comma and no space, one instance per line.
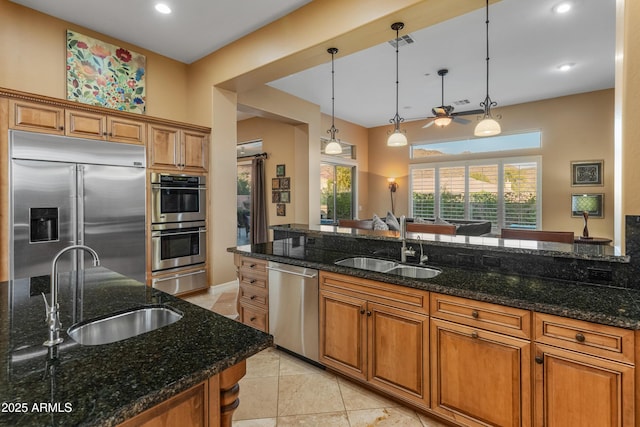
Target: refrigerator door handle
79,210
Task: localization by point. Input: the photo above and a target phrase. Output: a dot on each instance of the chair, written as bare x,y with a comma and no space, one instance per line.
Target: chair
418,227
243,221
364,224
543,236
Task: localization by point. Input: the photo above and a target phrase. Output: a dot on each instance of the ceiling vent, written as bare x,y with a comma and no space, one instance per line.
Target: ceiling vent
461,102
404,40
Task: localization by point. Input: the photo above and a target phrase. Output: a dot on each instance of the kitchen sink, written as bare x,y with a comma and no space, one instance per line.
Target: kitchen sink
365,263
414,271
123,325
387,266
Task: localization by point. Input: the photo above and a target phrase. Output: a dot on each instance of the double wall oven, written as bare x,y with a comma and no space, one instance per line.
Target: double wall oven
178,232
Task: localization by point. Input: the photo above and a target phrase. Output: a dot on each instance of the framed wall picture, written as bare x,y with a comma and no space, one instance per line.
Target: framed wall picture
591,203
275,197
587,173
285,183
280,170
281,209
275,183
285,197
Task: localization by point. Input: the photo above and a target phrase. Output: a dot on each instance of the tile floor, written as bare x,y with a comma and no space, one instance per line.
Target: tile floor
282,390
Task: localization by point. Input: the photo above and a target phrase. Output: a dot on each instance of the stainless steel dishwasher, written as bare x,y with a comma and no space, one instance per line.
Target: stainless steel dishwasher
293,308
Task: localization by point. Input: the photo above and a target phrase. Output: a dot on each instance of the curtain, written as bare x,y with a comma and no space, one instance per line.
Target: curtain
258,228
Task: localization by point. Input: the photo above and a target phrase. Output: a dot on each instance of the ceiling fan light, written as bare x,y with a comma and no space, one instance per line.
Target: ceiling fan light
333,147
487,127
397,139
442,121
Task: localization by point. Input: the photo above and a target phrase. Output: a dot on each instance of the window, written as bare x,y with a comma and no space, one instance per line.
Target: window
507,142
503,191
336,192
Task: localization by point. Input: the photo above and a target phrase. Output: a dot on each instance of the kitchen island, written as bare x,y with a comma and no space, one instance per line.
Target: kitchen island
105,385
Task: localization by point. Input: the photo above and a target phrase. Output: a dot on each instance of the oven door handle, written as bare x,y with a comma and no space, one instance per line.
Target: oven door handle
161,234
177,276
156,187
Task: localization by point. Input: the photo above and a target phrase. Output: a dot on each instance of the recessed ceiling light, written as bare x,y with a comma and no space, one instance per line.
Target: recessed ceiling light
565,67
563,7
163,8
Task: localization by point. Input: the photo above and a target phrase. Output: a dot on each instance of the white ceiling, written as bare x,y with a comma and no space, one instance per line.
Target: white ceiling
527,44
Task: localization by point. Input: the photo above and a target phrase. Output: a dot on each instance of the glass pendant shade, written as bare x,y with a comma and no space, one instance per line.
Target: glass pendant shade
442,121
397,139
487,127
333,147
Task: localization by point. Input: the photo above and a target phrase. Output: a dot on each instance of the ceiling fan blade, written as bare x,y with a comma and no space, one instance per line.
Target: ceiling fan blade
468,113
461,120
428,124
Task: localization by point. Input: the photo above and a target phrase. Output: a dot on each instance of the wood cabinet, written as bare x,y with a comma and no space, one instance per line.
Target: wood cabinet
208,404
378,333
43,118
480,362
175,148
584,374
253,293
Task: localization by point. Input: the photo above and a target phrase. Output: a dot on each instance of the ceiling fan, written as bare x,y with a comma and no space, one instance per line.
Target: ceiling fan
443,115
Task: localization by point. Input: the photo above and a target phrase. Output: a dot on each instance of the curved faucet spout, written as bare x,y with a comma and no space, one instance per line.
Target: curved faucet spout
52,309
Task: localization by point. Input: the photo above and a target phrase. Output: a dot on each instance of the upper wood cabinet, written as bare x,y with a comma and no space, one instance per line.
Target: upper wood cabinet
175,148
44,118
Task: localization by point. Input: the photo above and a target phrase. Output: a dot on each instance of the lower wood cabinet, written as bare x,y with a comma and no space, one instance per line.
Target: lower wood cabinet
253,293
368,333
479,377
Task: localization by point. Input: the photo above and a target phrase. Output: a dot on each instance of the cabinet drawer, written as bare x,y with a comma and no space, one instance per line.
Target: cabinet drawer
252,266
506,320
254,295
254,316
586,337
253,280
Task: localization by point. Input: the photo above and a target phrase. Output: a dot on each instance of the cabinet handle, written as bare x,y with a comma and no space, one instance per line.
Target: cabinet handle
61,127
579,337
362,311
368,313
253,319
475,314
252,281
252,265
474,334
539,360
104,134
252,297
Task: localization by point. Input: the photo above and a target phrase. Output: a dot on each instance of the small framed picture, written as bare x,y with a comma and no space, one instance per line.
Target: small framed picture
591,203
285,183
275,183
587,173
281,209
285,197
275,197
280,170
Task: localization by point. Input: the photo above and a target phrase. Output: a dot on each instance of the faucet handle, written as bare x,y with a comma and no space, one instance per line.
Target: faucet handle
47,307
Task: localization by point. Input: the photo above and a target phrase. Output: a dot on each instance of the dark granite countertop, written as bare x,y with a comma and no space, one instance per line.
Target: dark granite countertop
552,249
106,384
600,304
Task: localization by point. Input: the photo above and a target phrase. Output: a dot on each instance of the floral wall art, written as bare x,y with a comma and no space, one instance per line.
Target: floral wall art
105,75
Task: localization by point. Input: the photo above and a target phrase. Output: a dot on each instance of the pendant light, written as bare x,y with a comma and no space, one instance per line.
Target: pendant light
333,147
397,137
487,126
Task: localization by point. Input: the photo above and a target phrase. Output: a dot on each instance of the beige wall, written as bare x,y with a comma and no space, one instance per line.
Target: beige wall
574,128
33,59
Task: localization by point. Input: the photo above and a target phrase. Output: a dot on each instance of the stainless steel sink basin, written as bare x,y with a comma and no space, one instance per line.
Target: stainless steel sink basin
123,325
365,263
387,266
415,272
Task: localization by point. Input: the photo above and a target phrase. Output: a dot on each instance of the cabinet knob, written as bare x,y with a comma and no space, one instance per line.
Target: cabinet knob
252,297
362,311
539,360
61,127
475,314
104,134
368,313
580,337
474,334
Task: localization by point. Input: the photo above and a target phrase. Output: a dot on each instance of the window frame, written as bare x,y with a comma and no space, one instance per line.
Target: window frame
500,161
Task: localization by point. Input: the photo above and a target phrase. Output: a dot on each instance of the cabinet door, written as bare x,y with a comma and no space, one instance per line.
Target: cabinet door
398,343
480,378
343,333
194,150
36,117
165,147
85,125
127,131
573,389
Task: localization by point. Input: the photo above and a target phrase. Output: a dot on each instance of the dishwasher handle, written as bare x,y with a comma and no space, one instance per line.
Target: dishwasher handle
295,273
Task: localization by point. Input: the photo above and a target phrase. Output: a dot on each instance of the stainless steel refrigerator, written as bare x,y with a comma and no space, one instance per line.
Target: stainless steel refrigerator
67,191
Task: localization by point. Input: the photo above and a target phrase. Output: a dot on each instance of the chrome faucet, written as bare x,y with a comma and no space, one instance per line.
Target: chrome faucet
423,258
404,251
52,309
